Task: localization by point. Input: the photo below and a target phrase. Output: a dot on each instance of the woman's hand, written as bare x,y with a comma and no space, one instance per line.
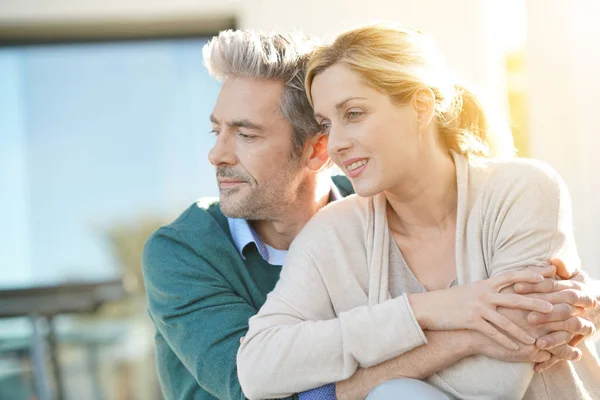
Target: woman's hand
574,318
473,306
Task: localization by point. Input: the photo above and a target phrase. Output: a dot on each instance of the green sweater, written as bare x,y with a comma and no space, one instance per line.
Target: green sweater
201,294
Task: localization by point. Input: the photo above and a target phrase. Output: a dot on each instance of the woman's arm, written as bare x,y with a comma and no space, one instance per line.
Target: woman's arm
296,340
528,213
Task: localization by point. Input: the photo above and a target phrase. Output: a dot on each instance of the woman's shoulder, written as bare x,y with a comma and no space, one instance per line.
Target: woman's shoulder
522,183
517,174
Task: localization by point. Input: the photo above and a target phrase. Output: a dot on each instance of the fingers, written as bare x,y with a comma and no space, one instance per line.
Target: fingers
548,285
553,340
573,325
562,270
547,271
542,356
508,278
560,312
509,327
573,297
494,334
546,364
510,300
576,340
566,352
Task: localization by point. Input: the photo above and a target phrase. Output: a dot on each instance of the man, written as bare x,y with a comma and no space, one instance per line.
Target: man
209,271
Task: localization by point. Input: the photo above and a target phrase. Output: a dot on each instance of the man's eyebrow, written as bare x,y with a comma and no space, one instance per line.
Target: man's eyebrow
245,123
238,123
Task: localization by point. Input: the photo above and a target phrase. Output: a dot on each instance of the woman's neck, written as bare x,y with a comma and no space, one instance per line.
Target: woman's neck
425,201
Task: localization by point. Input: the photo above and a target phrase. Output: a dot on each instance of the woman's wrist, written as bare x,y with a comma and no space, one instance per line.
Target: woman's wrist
422,308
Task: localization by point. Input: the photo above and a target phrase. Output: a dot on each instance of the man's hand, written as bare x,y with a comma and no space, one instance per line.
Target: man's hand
528,353
573,318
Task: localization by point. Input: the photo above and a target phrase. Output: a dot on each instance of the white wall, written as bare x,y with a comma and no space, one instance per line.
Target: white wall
563,60
464,29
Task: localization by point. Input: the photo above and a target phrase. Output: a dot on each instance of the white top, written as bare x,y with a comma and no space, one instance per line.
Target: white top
331,311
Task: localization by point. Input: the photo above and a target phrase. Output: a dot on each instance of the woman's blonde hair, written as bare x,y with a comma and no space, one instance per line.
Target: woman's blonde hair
398,61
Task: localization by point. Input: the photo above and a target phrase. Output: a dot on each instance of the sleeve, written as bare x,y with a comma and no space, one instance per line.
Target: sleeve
196,311
297,341
529,216
326,392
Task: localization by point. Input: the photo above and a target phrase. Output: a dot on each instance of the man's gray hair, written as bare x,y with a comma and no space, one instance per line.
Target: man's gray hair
277,56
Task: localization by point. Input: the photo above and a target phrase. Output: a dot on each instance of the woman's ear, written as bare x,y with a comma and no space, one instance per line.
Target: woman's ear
423,102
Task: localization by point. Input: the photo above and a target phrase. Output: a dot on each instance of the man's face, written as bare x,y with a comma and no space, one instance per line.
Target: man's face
256,169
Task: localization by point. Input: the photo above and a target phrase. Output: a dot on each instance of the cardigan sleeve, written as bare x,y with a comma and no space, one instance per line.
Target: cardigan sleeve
298,341
527,219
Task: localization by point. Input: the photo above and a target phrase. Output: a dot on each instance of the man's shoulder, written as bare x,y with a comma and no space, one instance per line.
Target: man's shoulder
202,225
202,217
196,242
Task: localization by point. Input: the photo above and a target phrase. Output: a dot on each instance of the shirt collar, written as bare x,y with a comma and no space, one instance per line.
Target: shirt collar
243,234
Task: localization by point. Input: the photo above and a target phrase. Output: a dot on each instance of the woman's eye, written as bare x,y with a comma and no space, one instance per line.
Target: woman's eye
353,114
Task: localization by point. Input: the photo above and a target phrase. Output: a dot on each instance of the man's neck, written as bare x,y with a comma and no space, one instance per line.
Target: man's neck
280,231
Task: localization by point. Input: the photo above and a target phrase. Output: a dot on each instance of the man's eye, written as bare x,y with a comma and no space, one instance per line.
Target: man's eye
246,137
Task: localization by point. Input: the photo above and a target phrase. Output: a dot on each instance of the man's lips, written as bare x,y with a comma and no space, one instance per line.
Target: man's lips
229,183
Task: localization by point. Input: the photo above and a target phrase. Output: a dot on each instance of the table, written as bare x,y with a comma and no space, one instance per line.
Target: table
39,302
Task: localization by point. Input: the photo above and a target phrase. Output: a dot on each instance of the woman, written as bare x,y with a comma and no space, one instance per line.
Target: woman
437,230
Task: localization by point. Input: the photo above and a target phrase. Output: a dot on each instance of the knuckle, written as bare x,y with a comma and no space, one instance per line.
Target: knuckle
575,324
472,318
561,351
529,351
572,296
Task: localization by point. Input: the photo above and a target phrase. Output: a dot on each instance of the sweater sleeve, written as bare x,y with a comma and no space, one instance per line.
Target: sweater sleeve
527,219
297,340
196,311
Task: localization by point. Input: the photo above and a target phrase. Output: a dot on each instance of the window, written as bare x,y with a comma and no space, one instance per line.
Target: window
93,135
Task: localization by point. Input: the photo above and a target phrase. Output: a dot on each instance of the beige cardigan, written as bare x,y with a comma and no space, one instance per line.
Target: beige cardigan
331,312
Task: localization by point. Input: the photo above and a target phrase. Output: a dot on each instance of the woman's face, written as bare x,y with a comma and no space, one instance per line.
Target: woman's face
374,141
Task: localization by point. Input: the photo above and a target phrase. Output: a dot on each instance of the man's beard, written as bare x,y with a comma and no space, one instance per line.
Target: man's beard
252,201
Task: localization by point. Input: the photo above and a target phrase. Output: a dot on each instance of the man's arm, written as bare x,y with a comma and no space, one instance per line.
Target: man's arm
197,312
443,349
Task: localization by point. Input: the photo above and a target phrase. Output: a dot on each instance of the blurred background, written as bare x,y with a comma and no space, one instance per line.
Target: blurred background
104,135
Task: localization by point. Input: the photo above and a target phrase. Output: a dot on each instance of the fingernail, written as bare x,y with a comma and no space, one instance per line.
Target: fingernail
539,277
515,346
548,306
541,344
530,340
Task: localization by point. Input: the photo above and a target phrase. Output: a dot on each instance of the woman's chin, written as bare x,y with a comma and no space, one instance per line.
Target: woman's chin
364,190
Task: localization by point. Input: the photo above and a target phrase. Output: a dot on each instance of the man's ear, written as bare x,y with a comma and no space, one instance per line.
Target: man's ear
315,149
